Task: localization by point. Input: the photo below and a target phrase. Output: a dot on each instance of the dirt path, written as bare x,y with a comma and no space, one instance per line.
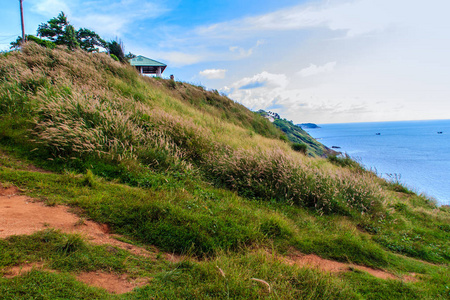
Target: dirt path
316,262
113,283
21,215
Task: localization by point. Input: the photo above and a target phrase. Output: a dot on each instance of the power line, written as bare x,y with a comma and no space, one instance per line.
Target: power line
5,39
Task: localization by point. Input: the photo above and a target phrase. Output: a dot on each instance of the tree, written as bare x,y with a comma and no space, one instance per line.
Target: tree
59,31
54,29
16,44
89,40
116,49
130,55
69,37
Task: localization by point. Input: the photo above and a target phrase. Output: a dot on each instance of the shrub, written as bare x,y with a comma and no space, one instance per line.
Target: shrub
89,179
302,148
284,138
114,57
171,84
344,160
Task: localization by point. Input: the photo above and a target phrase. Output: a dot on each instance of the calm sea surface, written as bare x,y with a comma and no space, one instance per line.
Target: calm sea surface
411,150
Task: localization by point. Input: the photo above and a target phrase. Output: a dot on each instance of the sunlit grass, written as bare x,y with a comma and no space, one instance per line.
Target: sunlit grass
192,172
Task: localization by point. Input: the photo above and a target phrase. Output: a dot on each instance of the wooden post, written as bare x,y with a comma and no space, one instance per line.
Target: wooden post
23,26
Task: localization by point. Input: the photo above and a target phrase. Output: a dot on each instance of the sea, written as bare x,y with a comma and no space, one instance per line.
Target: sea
416,153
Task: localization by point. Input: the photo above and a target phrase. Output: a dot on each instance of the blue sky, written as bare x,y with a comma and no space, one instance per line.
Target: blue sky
322,61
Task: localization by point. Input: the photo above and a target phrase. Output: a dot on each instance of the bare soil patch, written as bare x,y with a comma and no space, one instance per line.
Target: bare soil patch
113,283
316,262
22,215
21,269
118,284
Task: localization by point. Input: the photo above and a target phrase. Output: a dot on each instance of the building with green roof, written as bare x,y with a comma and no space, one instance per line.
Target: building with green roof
148,66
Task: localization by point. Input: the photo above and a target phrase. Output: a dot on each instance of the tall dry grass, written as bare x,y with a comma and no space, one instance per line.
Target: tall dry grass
276,175
88,105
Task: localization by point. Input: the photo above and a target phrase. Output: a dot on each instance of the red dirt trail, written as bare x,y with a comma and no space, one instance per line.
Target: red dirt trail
21,215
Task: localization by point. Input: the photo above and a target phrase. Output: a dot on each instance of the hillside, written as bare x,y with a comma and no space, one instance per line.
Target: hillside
191,195
296,134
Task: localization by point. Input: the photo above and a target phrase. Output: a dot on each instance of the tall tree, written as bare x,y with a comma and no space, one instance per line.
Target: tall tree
115,48
59,31
69,37
89,40
54,29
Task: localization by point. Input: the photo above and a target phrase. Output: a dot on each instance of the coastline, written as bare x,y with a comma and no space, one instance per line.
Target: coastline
411,151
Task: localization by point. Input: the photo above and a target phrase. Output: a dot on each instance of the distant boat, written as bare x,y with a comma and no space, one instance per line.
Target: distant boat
439,132
335,147
377,133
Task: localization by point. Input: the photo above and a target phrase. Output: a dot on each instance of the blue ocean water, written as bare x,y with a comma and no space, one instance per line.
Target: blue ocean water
413,151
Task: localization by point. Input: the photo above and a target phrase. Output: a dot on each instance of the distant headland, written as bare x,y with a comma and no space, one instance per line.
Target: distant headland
308,125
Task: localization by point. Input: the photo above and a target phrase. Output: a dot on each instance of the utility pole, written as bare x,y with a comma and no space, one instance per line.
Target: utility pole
21,17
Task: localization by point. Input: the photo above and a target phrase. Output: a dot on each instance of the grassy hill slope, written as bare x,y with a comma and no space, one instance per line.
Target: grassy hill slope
296,134
170,165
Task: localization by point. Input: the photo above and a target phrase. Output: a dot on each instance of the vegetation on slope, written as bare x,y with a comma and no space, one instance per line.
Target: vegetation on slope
297,135
169,164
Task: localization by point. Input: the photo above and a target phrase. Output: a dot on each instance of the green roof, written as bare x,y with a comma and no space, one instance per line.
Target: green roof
145,62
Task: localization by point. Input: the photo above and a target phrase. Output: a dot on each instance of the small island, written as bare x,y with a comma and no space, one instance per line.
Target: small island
308,125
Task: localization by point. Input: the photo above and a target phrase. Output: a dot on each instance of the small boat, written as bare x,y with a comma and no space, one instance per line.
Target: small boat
439,132
377,133
335,147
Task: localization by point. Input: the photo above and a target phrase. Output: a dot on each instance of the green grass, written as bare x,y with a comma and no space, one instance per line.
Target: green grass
170,165
62,252
183,280
44,285
297,135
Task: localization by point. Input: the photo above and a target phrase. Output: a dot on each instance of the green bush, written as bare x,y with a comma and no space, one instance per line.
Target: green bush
114,57
344,160
41,42
302,148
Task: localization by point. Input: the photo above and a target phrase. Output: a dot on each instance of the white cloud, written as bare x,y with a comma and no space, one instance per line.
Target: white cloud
344,18
263,79
113,18
314,70
180,59
355,17
51,7
259,91
243,53
103,24
106,17
213,73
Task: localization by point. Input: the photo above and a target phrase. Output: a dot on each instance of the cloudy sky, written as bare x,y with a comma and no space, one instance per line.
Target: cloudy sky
321,61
